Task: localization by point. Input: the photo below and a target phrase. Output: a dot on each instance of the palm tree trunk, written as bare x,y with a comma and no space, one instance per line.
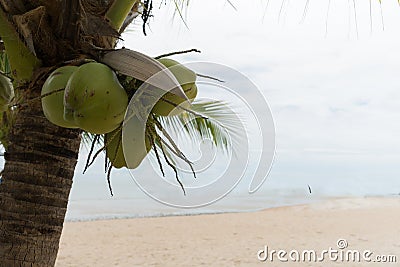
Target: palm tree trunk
37,179
41,158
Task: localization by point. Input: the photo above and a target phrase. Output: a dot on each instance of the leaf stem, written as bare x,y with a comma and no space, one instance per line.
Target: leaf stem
22,60
118,11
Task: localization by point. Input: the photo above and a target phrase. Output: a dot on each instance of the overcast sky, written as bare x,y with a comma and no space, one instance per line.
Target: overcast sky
331,80
331,77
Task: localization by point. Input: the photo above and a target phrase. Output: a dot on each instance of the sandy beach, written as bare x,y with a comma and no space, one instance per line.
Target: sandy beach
235,239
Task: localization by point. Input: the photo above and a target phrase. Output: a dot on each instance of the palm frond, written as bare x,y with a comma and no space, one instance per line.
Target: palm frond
4,63
180,6
231,4
214,120
88,138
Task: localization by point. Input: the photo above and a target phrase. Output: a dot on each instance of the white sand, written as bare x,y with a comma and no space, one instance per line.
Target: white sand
235,239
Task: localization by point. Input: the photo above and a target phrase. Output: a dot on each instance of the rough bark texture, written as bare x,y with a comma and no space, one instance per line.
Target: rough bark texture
41,157
37,179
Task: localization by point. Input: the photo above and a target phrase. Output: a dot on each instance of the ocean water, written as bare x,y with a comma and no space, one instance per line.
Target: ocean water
287,184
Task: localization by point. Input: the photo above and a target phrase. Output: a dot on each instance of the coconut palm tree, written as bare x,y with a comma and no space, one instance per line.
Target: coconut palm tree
40,158
36,37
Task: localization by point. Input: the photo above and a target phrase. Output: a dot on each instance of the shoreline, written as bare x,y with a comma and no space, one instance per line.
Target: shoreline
233,239
190,212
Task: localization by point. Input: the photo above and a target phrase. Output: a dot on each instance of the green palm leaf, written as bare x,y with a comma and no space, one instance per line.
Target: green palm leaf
180,5
4,63
213,120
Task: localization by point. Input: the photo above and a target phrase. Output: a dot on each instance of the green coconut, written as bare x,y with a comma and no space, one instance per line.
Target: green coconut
94,99
53,103
186,78
115,152
6,92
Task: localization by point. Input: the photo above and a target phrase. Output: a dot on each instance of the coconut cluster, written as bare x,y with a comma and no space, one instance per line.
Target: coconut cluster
91,97
169,104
